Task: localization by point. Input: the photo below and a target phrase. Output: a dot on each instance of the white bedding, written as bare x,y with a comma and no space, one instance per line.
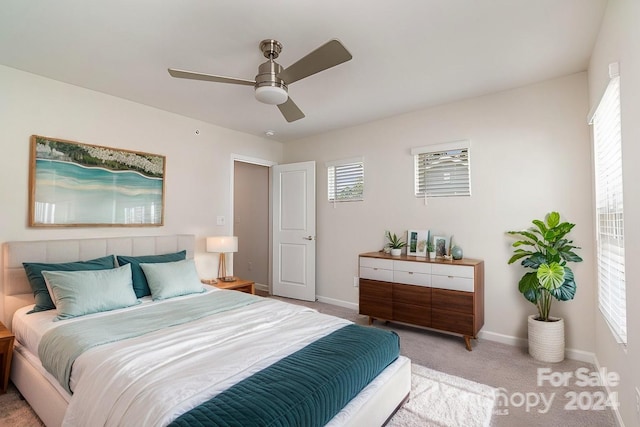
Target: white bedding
152,379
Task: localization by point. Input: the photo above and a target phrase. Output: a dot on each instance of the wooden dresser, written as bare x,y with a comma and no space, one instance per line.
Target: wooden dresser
445,295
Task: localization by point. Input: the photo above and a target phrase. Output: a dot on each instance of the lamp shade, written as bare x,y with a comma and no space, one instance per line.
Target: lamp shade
222,244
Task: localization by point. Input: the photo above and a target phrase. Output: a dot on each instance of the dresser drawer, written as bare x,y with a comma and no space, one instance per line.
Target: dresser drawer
416,295
453,270
453,322
412,267
453,283
410,313
411,278
386,264
376,269
376,274
452,300
375,299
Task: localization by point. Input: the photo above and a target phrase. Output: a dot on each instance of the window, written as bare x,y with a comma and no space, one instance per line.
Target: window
442,170
607,147
345,180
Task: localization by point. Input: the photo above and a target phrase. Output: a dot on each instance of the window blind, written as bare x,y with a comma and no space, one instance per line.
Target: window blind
607,145
345,180
442,170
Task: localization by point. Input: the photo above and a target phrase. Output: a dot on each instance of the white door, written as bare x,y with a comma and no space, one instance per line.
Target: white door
294,230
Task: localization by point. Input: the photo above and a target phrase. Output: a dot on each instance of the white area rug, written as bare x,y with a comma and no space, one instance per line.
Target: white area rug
439,399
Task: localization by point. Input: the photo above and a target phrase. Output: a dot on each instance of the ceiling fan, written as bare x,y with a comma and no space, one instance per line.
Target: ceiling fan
271,82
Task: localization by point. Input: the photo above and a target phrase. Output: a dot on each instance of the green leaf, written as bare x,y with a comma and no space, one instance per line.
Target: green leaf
571,256
518,255
528,286
534,261
553,219
551,276
567,291
526,234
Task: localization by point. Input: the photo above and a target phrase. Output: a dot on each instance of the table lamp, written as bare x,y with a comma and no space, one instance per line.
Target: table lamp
223,245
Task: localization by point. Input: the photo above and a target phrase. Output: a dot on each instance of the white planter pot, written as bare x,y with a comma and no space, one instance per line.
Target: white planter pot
396,252
546,339
432,255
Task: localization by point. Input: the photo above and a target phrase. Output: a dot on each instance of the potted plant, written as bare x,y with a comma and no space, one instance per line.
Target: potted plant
545,252
431,249
395,243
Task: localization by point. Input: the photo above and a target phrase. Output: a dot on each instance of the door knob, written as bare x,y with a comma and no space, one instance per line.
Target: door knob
308,238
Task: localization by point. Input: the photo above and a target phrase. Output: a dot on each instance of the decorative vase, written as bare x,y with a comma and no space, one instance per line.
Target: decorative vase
546,339
456,252
396,251
432,255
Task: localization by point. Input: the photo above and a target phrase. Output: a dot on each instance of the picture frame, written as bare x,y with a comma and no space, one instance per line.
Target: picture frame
72,184
417,242
441,245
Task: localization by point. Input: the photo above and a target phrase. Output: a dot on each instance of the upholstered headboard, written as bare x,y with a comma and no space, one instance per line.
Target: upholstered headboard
17,292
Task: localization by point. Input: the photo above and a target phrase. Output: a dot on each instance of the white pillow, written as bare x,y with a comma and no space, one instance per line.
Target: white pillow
76,293
172,279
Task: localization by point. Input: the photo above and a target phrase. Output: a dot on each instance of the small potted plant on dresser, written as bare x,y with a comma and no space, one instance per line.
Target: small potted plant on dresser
395,243
431,250
545,252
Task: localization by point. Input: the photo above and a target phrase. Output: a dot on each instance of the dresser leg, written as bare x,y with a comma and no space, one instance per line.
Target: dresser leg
467,342
370,320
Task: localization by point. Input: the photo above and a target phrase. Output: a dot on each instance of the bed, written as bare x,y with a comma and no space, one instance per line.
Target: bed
213,358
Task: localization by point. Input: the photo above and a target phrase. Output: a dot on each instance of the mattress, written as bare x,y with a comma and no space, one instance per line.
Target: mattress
261,333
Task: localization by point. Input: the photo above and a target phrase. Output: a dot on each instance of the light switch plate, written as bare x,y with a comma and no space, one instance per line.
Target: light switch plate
220,220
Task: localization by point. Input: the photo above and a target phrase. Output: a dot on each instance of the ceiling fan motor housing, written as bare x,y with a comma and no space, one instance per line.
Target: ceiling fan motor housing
269,88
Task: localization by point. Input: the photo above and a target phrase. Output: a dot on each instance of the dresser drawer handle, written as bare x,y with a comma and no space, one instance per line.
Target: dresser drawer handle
450,277
411,272
375,269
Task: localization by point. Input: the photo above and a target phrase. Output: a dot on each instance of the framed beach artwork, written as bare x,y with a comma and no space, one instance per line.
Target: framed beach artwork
441,244
417,242
73,184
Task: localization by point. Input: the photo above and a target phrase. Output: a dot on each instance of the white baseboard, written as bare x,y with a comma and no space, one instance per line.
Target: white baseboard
338,302
579,355
261,287
615,409
573,354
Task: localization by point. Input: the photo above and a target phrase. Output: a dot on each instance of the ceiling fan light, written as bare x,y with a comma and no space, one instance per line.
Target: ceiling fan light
271,95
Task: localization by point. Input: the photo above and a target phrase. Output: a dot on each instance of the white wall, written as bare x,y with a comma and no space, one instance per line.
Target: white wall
619,41
197,169
530,154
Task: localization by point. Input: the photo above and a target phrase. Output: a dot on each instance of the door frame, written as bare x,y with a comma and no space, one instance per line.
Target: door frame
260,162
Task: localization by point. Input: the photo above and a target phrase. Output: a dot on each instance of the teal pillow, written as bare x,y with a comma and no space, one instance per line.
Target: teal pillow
76,293
172,279
140,285
38,286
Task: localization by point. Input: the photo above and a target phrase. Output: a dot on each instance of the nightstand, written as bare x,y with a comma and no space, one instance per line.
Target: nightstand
6,352
237,285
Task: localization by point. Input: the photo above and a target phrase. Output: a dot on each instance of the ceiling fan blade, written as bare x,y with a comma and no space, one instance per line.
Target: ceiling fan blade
326,56
290,111
183,74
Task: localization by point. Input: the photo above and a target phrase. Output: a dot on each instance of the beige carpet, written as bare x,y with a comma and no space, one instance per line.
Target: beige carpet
15,412
442,400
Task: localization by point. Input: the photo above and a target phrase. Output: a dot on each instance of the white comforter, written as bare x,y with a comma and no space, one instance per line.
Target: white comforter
150,380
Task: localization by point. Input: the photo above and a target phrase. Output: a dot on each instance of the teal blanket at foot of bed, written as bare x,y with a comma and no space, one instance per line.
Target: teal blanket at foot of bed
306,388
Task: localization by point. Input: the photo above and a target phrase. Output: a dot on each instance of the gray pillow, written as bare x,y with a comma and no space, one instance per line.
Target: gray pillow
39,287
76,293
172,279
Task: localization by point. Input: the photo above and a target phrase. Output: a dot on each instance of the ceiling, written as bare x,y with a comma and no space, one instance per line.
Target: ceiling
407,54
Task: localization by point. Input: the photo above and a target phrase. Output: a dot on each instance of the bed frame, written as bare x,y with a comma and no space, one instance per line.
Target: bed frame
49,401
